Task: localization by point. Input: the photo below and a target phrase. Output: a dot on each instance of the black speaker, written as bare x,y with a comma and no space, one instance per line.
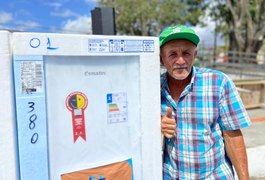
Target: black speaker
103,21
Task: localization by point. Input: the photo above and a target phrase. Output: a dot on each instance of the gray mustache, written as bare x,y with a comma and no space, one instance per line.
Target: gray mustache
179,67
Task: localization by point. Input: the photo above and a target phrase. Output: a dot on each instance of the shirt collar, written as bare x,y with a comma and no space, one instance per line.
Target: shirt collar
194,71
163,80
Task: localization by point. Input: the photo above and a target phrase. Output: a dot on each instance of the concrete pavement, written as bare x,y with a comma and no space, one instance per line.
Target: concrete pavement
254,137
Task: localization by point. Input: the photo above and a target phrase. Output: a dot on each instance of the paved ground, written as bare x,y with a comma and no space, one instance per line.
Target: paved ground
256,113
254,137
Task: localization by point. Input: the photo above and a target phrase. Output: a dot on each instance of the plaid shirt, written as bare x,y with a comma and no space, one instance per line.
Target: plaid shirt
208,105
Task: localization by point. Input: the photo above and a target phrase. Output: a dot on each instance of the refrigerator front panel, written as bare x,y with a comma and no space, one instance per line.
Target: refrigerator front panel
92,105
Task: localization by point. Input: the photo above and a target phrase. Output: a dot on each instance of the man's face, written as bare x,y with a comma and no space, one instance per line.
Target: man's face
177,56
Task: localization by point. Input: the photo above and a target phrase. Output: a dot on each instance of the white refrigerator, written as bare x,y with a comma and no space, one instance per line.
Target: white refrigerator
87,107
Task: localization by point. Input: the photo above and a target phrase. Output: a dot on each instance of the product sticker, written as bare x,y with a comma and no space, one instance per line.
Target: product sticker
120,46
76,103
117,107
31,77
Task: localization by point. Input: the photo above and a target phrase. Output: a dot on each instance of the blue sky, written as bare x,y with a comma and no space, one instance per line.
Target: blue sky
63,16
66,16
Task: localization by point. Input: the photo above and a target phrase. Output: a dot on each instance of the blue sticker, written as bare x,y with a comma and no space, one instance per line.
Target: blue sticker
109,98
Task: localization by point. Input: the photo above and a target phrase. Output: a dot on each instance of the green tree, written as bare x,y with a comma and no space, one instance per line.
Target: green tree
149,17
243,21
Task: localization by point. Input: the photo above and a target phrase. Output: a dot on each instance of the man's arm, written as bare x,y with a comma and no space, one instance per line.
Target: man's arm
236,150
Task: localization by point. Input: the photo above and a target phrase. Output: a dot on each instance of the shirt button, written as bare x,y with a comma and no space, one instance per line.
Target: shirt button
206,133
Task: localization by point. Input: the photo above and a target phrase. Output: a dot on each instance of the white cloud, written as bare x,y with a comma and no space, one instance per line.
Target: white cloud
5,17
206,34
55,5
81,25
22,12
26,25
53,29
90,1
66,13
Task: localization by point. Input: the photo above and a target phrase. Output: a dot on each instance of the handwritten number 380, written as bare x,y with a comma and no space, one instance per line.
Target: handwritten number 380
32,124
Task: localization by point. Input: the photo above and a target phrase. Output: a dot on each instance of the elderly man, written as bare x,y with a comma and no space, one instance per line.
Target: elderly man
202,114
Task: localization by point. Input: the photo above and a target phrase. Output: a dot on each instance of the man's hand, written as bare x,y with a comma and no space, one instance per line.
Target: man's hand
168,124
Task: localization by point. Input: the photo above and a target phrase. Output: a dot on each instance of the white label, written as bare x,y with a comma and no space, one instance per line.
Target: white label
31,77
120,46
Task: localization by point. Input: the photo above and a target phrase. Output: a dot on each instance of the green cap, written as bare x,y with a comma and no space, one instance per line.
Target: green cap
178,32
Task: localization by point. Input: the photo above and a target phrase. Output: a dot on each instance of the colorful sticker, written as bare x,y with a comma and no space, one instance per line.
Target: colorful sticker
76,102
117,107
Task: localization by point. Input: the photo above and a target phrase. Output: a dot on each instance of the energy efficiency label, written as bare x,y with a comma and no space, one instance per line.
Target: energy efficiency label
117,107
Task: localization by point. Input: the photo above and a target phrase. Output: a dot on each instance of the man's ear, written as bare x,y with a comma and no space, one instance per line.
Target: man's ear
195,53
161,61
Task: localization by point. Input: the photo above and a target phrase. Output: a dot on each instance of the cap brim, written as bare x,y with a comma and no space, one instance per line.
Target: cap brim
182,35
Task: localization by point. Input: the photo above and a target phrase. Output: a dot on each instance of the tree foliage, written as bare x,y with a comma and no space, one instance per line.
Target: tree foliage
243,21
149,17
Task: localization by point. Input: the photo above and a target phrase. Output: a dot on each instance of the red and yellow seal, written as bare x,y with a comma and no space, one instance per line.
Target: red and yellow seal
76,103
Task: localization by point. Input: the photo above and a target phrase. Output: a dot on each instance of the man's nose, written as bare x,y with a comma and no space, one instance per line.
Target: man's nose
180,60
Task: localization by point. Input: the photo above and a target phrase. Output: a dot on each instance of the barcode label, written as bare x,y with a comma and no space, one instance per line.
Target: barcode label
32,77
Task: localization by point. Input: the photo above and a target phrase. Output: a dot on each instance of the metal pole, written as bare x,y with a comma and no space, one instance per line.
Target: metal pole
214,45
